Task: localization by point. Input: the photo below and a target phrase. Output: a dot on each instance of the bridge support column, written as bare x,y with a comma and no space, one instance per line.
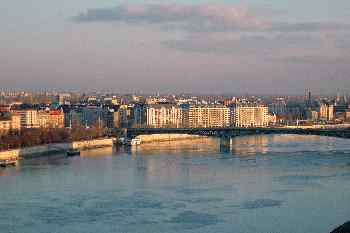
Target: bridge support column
225,143
124,133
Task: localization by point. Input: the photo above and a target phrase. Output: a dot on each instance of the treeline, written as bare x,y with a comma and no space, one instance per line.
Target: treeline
35,137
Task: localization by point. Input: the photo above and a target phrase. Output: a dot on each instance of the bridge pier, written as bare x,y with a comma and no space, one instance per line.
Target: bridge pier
225,143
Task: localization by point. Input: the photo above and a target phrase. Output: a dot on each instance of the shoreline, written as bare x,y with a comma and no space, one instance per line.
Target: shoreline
48,149
54,148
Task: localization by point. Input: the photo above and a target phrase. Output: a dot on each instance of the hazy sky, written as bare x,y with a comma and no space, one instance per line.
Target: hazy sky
232,46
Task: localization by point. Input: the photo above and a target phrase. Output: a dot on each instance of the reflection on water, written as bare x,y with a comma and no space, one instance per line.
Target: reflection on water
196,146
97,152
245,146
280,183
261,144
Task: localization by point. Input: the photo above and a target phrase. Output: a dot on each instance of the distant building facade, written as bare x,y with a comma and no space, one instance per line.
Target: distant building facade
250,116
208,116
28,118
278,107
9,122
5,125
163,115
326,112
139,115
313,115
125,113
50,119
64,98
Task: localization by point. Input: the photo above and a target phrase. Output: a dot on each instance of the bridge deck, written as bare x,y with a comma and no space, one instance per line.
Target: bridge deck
230,132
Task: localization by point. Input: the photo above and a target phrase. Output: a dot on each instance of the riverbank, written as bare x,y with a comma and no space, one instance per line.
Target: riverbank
55,148
166,137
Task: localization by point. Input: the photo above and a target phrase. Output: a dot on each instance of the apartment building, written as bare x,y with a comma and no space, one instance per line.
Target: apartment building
326,112
250,116
163,115
28,118
50,119
208,116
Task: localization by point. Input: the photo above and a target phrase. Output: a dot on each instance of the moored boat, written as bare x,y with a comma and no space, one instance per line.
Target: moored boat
8,162
73,152
133,142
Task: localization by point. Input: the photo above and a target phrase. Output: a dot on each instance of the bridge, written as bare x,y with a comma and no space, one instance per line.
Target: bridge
234,132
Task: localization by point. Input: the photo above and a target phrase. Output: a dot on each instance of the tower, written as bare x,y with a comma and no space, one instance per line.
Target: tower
308,100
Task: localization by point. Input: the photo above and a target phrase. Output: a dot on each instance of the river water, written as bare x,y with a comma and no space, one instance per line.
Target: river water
261,184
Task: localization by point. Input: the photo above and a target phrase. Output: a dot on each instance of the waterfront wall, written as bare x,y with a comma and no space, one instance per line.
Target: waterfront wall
166,137
9,154
44,149
93,143
337,126
55,148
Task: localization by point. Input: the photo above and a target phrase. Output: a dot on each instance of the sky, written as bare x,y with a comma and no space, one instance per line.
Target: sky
209,47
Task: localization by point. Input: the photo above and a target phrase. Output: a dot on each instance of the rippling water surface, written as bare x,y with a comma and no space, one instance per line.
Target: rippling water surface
261,184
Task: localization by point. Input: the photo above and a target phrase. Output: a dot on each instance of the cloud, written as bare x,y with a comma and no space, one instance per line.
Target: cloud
310,27
261,203
202,17
253,44
235,31
318,59
191,17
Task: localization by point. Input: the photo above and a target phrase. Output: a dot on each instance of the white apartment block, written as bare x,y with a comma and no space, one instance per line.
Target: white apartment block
326,112
28,118
250,116
208,116
163,115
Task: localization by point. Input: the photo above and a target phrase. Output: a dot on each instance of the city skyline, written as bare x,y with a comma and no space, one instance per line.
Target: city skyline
252,46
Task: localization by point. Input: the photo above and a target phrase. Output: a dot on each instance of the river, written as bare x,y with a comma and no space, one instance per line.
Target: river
261,184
